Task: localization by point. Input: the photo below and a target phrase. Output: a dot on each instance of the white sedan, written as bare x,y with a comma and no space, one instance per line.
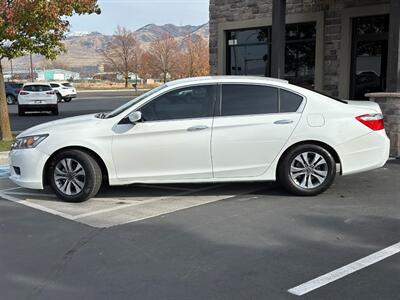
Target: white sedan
208,129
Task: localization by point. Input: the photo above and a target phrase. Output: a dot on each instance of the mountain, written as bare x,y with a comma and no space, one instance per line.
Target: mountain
84,48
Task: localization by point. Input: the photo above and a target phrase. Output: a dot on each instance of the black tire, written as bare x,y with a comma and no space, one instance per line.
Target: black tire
294,182
67,99
21,112
11,99
92,172
59,97
55,111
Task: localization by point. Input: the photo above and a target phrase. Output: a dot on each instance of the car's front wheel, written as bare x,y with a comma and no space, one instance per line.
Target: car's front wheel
74,176
307,170
68,99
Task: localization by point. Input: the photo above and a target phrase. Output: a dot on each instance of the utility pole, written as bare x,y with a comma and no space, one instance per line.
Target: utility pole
30,58
12,71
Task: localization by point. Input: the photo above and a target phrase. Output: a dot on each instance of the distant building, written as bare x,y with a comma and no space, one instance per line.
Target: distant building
57,74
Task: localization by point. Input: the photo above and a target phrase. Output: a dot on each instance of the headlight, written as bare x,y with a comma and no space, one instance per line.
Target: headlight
28,141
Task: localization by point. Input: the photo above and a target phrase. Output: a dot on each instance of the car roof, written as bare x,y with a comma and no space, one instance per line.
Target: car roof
37,83
226,78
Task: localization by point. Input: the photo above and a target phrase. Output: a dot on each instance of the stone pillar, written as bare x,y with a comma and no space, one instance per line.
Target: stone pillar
390,105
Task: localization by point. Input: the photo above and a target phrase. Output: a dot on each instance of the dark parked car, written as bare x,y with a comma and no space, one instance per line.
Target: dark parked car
12,91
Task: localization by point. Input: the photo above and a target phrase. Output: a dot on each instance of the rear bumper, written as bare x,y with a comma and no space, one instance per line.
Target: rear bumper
365,153
30,163
37,107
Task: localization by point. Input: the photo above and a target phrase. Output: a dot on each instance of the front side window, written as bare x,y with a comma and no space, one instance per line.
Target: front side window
241,99
185,103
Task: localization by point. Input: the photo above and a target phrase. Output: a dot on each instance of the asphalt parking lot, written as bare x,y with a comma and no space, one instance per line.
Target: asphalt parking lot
222,241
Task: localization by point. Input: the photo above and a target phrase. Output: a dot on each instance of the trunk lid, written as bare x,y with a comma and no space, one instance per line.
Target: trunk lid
371,106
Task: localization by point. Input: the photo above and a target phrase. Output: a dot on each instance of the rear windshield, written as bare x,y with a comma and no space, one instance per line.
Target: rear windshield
67,84
37,88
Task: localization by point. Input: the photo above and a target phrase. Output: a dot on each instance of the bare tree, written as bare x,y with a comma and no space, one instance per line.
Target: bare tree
163,54
194,59
123,52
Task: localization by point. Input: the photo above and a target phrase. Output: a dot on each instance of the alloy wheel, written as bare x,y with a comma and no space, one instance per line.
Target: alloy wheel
69,176
309,170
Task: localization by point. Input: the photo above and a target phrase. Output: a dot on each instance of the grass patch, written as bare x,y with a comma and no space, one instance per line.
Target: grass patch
6,145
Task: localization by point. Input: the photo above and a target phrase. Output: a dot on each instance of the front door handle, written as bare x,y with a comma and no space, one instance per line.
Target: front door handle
283,122
197,128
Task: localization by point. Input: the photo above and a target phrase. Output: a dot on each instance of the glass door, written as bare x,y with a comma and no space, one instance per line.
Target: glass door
369,55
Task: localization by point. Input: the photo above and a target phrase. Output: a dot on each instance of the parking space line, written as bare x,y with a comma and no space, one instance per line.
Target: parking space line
345,270
34,205
143,202
30,194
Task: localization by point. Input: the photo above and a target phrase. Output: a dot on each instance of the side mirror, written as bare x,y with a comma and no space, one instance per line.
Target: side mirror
135,116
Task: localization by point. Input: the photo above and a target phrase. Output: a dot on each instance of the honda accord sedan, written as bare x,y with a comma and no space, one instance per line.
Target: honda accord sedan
207,129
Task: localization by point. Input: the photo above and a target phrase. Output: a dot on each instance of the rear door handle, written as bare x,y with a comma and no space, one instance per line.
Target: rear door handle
283,122
197,128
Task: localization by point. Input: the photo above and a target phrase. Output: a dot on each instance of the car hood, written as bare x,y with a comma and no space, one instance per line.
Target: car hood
75,123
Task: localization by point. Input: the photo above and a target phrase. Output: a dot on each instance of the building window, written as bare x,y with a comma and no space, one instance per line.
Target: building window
300,54
248,52
369,55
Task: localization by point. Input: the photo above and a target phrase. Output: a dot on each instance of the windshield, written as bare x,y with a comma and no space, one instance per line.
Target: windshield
129,104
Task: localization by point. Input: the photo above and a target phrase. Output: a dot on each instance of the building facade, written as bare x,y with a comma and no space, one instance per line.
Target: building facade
345,48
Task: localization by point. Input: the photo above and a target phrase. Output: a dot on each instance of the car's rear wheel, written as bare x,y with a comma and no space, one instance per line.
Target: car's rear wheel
10,99
55,110
307,170
59,97
74,176
21,111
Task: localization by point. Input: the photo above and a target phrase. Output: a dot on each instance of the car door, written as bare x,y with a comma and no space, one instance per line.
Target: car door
254,123
172,142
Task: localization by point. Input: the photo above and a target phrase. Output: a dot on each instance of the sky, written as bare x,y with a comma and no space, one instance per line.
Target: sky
134,14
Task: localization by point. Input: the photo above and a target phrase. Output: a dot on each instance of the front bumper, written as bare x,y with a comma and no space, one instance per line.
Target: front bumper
69,96
31,164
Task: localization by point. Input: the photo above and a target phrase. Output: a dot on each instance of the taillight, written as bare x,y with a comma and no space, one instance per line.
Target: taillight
51,93
372,121
23,93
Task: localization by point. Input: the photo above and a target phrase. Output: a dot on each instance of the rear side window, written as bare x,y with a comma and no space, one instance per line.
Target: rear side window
37,88
54,85
289,102
242,99
67,84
